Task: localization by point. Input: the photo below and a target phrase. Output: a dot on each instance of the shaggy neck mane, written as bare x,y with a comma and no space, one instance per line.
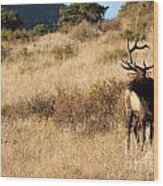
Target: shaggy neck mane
144,88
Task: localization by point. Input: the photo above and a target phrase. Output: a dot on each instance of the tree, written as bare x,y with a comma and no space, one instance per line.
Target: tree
75,13
137,19
10,19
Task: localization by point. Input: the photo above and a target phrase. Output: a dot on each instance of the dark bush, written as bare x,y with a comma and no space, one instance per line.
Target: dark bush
38,30
23,34
12,36
10,19
99,110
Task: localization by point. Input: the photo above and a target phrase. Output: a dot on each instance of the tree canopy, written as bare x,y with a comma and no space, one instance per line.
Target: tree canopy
137,18
10,19
75,13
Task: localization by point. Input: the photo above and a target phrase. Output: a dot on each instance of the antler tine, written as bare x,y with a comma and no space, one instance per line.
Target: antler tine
147,67
138,67
130,64
144,64
129,51
127,68
136,47
127,65
128,44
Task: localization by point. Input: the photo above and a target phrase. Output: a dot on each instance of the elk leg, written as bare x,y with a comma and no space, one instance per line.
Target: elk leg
129,122
144,133
136,130
151,132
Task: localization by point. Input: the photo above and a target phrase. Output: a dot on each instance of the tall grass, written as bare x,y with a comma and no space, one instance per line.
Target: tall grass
63,109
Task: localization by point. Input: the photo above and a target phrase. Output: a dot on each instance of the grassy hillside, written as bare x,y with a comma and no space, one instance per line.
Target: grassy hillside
63,107
137,17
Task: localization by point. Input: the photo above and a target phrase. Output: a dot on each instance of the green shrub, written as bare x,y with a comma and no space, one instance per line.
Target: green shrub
38,30
23,34
6,34
11,36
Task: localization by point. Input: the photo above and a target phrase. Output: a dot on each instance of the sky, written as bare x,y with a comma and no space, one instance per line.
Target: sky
113,10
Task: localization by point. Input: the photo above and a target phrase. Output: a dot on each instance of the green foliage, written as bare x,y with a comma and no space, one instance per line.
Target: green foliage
137,19
75,13
20,34
10,19
8,35
39,30
23,34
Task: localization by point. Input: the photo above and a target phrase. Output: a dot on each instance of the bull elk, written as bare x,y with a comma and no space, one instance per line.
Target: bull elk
139,102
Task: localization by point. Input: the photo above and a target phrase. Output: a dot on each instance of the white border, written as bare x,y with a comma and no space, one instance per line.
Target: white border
69,182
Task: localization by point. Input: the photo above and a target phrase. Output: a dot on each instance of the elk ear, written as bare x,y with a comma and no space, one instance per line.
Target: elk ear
149,74
131,75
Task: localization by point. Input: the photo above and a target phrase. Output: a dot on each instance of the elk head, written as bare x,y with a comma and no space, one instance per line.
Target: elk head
131,65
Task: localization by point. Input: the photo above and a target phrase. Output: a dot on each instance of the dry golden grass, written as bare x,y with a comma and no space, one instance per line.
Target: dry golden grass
34,148
41,72
37,146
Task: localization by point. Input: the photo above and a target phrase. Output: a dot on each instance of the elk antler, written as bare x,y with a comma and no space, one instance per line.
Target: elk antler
135,47
130,64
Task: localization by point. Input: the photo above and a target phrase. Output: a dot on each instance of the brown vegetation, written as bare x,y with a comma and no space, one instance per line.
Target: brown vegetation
63,108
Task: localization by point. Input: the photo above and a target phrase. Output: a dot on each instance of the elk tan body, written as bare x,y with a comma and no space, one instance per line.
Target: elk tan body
132,102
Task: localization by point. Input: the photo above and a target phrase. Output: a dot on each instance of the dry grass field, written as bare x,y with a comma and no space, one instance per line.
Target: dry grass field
63,110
